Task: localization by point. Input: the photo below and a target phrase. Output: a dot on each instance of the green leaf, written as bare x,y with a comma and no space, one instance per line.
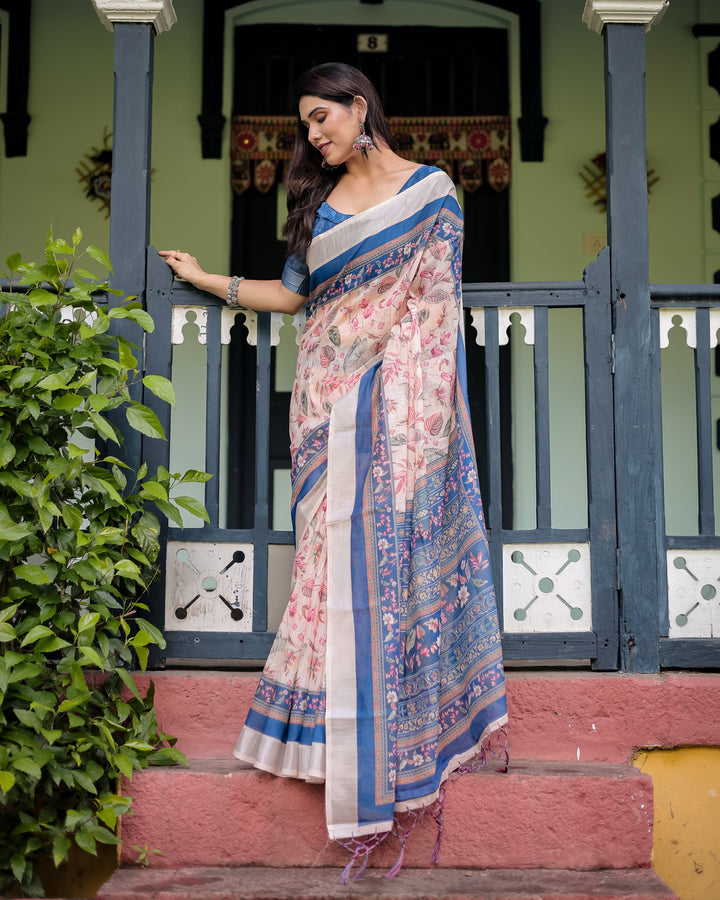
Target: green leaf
142,746
195,475
8,613
86,842
51,644
7,452
36,633
149,629
85,783
13,261
19,863
7,632
128,569
101,834
99,256
73,702
88,620
27,765
14,532
40,297
146,532
108,816
67,402
104,428
90,655
129,682
143,655
193,506
72,517
167,756
60,246
145,421
40,446
56,381
51,734
7,780
17,484
153,490
33,574
161,387
75,818
124,764
61,845
170,511
142,318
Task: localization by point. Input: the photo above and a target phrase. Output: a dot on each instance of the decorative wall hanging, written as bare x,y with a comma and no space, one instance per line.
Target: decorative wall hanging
470,149
95,173
595,177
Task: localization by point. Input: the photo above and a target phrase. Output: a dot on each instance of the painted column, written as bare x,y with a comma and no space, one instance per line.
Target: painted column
135,24
638,437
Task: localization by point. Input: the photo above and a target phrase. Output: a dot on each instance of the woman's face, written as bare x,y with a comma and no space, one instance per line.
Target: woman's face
332,127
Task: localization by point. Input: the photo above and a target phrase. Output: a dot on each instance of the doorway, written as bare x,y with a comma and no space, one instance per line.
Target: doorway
423,71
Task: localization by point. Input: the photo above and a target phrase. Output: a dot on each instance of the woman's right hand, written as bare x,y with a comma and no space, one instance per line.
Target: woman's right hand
185,266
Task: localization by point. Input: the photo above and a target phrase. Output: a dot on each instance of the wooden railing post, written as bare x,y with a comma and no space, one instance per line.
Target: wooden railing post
638,436
135,24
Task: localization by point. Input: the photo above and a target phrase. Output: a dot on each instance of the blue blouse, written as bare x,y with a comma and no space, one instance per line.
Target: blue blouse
296,274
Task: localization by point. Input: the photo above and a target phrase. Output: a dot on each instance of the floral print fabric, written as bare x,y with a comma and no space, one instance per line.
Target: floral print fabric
386,672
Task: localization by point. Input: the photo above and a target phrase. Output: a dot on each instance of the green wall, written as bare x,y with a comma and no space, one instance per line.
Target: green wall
71,104
71,85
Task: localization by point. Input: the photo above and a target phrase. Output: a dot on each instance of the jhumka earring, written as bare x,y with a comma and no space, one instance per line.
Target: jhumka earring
363,141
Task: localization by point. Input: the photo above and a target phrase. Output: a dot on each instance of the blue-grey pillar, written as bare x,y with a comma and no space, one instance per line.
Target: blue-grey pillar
135,24
638,437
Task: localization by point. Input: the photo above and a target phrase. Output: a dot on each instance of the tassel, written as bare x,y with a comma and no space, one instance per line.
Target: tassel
398,865
361,871
347,870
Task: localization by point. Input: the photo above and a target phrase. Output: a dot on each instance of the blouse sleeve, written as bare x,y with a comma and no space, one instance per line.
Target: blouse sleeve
296,276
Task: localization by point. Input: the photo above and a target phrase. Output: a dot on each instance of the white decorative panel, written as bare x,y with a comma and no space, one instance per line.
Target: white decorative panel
299,321
209,586
180,318
694,593
714,326
526,316
477,318
683,318
546,587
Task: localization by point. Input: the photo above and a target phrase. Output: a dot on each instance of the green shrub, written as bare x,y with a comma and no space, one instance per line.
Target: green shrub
77,553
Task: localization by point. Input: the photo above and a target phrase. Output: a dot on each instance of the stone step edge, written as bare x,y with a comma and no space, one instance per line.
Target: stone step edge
563,715
522,767
491,820
263,883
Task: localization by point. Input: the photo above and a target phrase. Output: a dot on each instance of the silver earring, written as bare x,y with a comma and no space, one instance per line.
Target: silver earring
363,141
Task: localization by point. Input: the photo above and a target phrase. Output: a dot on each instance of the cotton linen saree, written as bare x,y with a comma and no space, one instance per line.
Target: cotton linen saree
386,673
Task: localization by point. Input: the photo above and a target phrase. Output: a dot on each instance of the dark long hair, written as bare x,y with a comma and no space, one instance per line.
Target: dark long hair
308,184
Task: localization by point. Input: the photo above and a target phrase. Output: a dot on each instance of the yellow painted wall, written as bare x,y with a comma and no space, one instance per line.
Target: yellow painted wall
686,849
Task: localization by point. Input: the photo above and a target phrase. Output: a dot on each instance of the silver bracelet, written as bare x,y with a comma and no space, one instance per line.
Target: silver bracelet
231,297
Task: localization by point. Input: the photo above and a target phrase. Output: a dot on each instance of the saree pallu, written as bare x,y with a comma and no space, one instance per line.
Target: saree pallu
386,673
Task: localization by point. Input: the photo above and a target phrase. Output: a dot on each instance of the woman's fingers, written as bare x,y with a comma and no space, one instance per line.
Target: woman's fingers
184,265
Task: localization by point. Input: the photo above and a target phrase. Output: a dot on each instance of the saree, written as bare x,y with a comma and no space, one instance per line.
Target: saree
386,672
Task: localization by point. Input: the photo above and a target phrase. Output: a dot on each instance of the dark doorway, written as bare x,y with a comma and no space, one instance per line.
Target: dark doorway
425,72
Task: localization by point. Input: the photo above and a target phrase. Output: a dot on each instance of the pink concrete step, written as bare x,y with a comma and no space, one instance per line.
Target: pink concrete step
537,815
437,884
564,715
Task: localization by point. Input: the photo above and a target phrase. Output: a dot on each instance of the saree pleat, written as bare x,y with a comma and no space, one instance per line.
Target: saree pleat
386,673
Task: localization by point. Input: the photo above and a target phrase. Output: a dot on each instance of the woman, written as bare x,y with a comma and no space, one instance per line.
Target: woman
386,673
